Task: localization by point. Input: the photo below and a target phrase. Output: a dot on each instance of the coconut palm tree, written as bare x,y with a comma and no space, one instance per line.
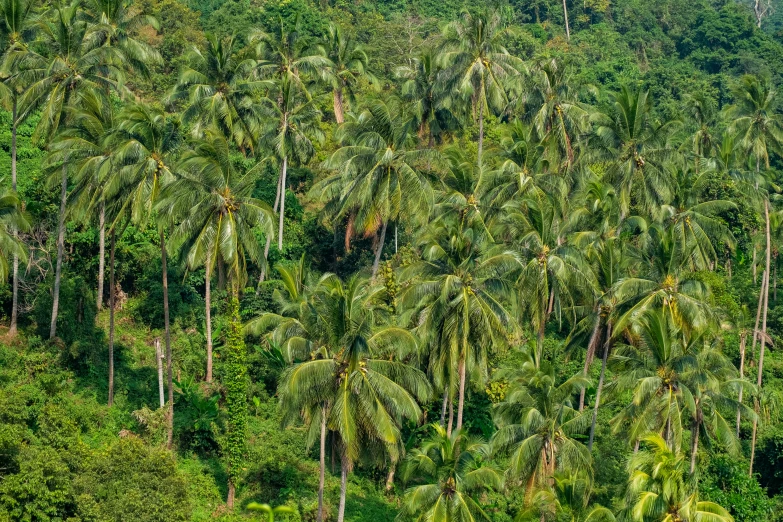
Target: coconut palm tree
478,65
570,490
659,488
377,178
449,472
72,59
355,380
18,23
457,291
217,217
219,90
349,66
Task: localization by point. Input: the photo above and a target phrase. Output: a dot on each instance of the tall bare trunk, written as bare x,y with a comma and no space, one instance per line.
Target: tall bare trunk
159,360
594,338
112,298
15,282
695,439
444,407
167,337
451,417
390,476
567,28
101,253
269,238
743,341
231,494
337,94
481,122
461,401
322,466
600,384
343,487
282,203
60,251
379,250
208,310
763,337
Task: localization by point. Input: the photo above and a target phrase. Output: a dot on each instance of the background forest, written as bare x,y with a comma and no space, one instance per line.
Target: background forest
391,260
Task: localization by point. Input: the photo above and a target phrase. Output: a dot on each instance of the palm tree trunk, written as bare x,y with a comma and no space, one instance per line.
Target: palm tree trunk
112,296
282,203
589,355
231,494
208,310
451,417
763,338
390,476
755,277
461,402
60,250
481,122
15,283
743,341
337,94
343,487
567,28
269,239
101,253
322,466
379,250
167,334
600,385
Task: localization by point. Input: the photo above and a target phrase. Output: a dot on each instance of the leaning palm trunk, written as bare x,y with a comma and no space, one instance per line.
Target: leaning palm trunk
208,311
379,250
101,253
112,296
282,203
481,123
765,289
589,355
600,385
343,487
60,251
15,282
461,401
338,105
167,333
322,466
695,437
567,28
743,341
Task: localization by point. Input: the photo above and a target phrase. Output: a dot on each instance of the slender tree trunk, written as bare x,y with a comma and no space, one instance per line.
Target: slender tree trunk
755,277
461,402
590,354
567,28
443,409
322,466
101,253
743,341
390,477
337,94
775,281
379,250
481,123
451,417
695,443
231,494
269,238
208,310
112,298
763,338
15,282
343,487
60,251
167,337
159,360
607,344
282,204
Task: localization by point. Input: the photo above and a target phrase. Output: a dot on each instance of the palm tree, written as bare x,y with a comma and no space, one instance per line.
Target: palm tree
569,490
377,178
217,217
458,292
354,381
146,146
18,22
537,421
12,220
478,64
219,90
627,136
659,488
292,126
349,65
74,61
449,472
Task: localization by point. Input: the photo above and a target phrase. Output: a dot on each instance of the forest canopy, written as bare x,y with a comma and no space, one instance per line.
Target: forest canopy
391,260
